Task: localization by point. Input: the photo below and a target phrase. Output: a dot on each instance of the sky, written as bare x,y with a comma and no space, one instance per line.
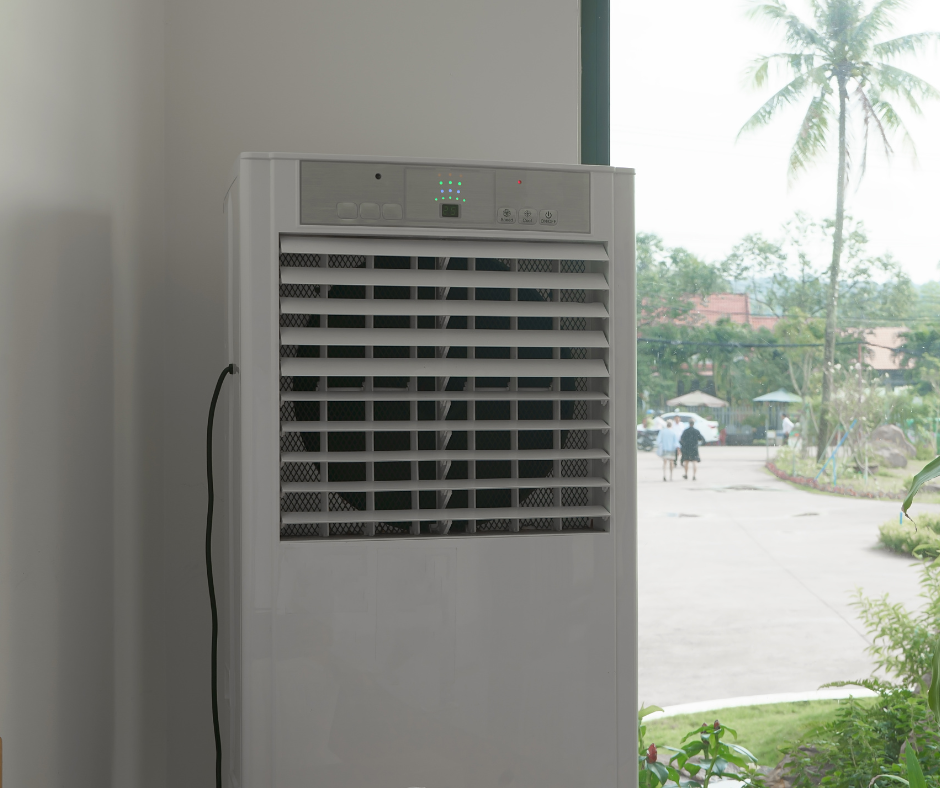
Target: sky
679,95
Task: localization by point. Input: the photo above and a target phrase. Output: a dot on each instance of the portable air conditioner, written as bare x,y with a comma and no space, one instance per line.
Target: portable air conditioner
430,517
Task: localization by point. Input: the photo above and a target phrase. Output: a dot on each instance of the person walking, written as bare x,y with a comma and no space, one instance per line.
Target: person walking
667,441
690,440
677,426
787,427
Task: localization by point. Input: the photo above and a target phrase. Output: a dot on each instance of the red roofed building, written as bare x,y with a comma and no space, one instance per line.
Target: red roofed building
735,307
880,352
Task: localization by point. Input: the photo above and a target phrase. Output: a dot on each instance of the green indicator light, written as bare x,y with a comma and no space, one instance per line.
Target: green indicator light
435,199
464,199
450,182
458,183
441,183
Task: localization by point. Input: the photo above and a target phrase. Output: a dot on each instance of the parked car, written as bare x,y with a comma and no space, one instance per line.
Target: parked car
709,429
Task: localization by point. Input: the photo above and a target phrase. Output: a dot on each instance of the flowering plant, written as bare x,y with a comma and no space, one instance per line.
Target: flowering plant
715,758
653,773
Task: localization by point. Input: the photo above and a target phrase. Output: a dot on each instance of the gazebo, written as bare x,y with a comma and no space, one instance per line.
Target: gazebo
774,400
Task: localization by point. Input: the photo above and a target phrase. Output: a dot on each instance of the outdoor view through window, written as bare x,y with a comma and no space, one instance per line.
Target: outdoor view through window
788,271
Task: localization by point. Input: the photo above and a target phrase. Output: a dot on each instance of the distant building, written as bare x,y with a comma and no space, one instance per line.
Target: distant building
735,307
880,353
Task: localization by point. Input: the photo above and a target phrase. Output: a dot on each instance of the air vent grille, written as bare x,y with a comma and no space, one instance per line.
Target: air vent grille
443,395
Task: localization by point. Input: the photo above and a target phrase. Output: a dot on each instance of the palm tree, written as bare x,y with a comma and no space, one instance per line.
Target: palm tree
840,67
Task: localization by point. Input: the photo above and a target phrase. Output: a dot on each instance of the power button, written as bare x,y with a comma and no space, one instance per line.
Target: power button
548,216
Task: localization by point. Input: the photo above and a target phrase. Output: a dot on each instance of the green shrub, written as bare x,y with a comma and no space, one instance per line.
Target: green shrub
920,538
903,641
865,740
756,420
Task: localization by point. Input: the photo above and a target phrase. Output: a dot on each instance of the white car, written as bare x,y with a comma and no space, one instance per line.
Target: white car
709,429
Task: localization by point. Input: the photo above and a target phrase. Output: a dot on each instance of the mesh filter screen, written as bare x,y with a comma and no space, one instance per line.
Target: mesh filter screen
436,396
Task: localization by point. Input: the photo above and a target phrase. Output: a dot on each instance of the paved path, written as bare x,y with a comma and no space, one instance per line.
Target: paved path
746,581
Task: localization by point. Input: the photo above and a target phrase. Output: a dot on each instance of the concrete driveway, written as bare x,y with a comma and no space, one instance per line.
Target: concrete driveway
746,581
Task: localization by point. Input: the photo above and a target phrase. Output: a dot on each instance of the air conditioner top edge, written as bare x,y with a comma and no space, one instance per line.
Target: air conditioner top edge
524,165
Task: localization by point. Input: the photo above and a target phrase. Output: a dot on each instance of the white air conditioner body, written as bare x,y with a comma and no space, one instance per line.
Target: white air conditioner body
429,518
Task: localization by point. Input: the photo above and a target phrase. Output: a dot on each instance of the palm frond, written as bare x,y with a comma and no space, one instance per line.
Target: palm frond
891,120
797,31
759,70
788,94
878,20
904,84
870,117
905,45
811,140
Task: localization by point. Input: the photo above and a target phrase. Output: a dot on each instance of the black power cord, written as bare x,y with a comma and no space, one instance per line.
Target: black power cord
229,370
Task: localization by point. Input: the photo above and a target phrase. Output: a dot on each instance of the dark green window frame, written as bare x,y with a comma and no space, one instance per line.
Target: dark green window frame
595,81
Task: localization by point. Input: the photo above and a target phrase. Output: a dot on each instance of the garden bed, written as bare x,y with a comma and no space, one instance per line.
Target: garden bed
882,483
838,489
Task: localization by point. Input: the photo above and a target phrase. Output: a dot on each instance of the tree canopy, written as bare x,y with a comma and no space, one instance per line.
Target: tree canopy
783,278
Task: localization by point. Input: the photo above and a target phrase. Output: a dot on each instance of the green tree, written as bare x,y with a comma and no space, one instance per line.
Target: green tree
784,277
745,362
839,64
667,278
922,347
803,364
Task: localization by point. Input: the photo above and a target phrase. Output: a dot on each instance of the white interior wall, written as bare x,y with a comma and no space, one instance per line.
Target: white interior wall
121,120
81,268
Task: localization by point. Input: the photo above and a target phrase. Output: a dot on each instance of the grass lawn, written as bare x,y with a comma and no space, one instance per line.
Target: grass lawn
761,729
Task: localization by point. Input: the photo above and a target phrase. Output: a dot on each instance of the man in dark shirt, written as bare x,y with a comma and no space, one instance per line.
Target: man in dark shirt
689,442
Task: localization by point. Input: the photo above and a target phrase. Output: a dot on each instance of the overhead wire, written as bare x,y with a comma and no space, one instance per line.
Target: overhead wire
755,344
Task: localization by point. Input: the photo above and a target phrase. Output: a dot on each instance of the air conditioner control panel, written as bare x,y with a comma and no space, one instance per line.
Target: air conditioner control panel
381,194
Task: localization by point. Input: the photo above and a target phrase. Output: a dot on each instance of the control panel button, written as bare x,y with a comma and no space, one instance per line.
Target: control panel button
347,210
369,210
527,216
391,210
548,216
506,216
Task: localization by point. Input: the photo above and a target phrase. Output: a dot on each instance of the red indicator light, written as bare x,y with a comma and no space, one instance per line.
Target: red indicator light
519,181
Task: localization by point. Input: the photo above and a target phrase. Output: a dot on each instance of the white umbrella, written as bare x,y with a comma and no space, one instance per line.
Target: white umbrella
697,399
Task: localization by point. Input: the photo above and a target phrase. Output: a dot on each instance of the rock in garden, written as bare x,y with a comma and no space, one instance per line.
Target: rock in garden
890,456
893,436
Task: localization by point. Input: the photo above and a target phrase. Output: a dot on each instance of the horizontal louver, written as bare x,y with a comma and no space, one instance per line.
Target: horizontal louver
403,337
386,306
423,392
